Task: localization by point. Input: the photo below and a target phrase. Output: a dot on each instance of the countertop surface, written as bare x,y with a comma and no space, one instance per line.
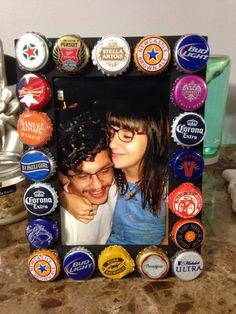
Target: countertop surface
213,292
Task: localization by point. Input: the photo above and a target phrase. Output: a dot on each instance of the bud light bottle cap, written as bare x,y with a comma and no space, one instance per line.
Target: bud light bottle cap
191,53
79,263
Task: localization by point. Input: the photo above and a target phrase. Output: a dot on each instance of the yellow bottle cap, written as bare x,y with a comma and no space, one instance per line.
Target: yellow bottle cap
115,262
44,265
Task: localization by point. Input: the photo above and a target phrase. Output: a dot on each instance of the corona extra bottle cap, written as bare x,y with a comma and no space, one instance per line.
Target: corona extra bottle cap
79,263
187,165
188,129
189,92
42,232
187,265
40,199
33,91
152,55
34,128
38,165
188,233
70,54
115,262
191,53
32,51
111,55
44,265
152,263
186,201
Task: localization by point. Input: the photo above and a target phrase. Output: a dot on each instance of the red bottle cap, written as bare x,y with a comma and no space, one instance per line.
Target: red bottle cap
186,201
188,233
34,128
33,91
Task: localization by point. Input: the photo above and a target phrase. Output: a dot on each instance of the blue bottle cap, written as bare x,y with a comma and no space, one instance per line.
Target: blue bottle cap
187,165
42,232
37,165
79,263
188,129
40,199
191,53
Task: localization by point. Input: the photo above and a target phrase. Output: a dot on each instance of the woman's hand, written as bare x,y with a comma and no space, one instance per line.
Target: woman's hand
79,207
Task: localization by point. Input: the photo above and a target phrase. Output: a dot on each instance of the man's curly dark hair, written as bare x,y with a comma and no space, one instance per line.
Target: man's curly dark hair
80,139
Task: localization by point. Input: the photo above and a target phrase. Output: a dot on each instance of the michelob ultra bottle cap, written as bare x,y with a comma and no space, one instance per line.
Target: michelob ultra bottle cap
115,262
34,128
32,51
70,54
33,91
187,265
152,263
191,53
186,201
152,55
111,55
42,232
38,165
40,199
79,263
44,265
188,129
189,92
187,165
188,233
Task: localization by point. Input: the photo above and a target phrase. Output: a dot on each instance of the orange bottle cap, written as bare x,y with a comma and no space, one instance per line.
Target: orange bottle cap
34,128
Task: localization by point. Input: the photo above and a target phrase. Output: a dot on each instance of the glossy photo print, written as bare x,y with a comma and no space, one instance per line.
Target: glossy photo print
113,172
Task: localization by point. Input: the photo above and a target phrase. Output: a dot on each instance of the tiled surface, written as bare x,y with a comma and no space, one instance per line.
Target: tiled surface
213,292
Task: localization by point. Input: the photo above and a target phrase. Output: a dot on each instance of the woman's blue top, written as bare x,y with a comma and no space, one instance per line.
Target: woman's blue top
133,224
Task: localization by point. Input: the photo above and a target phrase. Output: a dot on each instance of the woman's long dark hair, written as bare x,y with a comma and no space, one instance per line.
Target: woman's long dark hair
154,122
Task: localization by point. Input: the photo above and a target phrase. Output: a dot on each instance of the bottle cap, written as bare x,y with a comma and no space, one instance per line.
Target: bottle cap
191,53
152,263
44,265
187,165
188,129
187,265
152,55
33,91
40,199
189,92
34,128
188,233
115,262
186,201
32,51
79,263
70,54
38,165
42,232
111,55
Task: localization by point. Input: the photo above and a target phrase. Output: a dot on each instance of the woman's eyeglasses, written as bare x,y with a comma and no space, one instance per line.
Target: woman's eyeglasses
124,135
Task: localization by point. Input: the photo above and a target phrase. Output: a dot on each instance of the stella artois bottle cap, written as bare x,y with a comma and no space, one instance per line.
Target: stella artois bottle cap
111,55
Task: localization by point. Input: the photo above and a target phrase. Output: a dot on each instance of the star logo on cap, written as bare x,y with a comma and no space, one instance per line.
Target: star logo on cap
30,52
42,268
153,54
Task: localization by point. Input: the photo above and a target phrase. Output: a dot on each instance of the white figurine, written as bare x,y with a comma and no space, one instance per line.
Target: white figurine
230,176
